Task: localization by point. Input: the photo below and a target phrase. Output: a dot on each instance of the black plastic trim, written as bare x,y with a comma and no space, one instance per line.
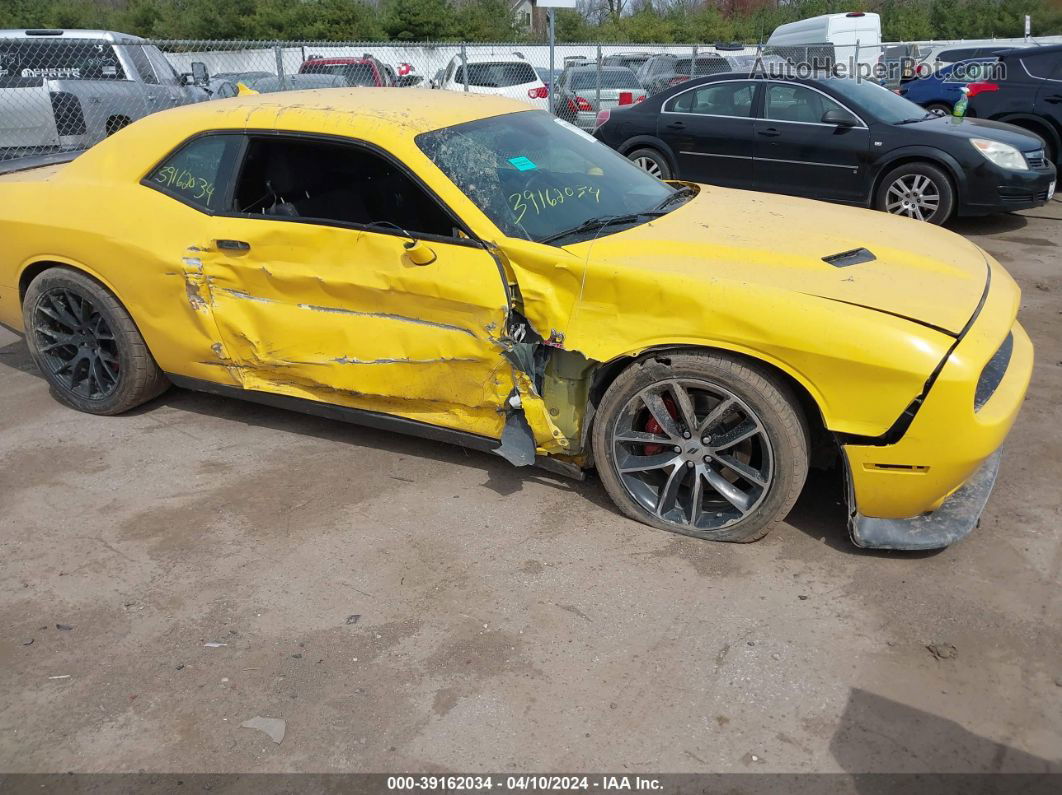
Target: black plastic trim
847,258
369,419
992,375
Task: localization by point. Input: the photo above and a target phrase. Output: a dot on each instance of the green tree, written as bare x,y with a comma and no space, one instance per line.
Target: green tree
487,20
905,20
316,20
419,20
207,19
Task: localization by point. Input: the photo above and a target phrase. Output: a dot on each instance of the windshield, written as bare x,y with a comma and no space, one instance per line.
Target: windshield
878,100
536,176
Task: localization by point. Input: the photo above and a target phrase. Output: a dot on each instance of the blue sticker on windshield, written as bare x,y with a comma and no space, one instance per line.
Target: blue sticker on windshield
522,164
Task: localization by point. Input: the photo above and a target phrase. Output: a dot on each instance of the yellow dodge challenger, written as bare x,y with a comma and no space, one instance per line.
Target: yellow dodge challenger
463,268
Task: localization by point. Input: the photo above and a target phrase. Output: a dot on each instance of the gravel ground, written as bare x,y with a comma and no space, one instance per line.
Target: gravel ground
404,605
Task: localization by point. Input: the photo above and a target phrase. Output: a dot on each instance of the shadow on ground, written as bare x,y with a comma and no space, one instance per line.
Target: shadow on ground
878,734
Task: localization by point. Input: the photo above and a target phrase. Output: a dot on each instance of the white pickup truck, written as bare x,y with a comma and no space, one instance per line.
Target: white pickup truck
68,89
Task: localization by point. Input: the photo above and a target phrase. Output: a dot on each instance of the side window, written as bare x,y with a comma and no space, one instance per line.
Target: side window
199,172
163,69
334,182
720,99
796,103
141,63
1043,65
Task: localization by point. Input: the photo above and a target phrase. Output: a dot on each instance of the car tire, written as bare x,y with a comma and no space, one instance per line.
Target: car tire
650,161
941,106
921,191
87,346
687,484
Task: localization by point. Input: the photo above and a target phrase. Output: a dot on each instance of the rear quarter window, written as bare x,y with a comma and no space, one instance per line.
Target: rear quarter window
1043,65
59,60
199,173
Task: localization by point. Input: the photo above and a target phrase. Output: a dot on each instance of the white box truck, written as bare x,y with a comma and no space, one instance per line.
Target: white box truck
851,38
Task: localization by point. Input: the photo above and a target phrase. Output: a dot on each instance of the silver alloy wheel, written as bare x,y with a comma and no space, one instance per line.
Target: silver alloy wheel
913,195
648,165
693,454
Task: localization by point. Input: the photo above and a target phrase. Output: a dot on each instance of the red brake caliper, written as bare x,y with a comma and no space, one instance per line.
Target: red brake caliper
653,427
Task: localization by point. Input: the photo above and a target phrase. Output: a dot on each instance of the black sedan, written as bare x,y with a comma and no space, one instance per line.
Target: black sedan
839,139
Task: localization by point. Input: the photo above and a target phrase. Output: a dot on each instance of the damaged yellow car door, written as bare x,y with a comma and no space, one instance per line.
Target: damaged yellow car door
403,317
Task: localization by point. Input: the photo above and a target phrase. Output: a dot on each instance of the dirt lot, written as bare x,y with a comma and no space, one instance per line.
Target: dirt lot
404,605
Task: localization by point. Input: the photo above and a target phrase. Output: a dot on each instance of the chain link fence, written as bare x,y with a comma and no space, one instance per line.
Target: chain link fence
62,93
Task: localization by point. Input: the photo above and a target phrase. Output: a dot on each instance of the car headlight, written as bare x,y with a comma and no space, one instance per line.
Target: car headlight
1003,155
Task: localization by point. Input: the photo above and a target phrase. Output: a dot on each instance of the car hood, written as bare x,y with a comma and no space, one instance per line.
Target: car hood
972,127
920,272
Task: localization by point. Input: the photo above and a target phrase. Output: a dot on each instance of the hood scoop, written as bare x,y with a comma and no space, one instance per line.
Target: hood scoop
855,256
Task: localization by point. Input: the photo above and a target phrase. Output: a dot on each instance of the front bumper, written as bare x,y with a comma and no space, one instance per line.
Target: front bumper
948,443
953,520
999,190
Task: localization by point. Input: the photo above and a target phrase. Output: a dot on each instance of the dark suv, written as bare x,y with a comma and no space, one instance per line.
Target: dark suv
1027,94
664,71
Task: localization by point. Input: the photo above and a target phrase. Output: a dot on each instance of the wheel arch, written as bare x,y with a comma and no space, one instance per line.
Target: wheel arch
1037,125
951,168
649,142
604,376
33,268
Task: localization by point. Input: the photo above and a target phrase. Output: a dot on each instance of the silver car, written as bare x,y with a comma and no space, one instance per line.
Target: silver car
582,91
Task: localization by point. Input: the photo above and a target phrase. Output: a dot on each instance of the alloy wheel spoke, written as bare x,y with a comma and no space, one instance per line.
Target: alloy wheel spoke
59,313
105,379
641,437
669,493
715,415
654,401
727,490
697,494
738,433
742,469
685,407
78,306
644,463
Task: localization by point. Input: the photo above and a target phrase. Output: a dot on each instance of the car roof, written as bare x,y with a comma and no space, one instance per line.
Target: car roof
340,61
57,34
593,68
510,58
1049,49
